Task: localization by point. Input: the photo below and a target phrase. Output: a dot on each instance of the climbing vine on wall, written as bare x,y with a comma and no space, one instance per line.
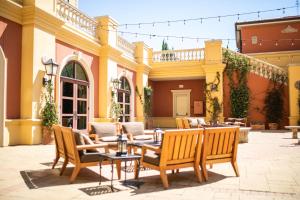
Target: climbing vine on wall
236,70
215,106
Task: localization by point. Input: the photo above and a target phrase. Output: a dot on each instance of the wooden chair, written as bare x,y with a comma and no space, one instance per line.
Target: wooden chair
179,123
186,124
179,149
60,148
77,155
220,146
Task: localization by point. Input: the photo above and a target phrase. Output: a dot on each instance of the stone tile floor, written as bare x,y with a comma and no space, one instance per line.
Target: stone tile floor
269,168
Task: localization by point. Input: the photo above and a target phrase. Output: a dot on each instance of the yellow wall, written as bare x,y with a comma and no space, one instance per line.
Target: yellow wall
294,75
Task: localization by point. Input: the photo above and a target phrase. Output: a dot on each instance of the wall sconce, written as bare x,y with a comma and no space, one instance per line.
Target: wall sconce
116,83
213,87
50,69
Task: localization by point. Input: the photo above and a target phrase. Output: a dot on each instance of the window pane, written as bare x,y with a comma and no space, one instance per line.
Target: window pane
120,119
67,121
82,91
127,98
127,118
67,89
81,122
68,70
81,107
127,109
80,74
120,97
67,106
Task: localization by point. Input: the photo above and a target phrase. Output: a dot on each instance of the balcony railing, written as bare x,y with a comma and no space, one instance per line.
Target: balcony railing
75,17
261,67
126,47
178,55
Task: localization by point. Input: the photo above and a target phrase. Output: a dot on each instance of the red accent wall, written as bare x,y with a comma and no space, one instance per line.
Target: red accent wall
11,43
163,99
271,33
258,87
64,49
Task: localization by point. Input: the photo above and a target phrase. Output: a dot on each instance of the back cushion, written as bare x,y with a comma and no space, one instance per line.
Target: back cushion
79,140
193,122
134,128
201,121
104,129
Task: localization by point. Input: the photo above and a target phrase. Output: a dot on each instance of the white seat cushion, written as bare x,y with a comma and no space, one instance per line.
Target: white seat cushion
109,139
142,137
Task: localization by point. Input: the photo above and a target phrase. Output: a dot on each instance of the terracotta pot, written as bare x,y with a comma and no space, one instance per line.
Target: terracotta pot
48,135
273,126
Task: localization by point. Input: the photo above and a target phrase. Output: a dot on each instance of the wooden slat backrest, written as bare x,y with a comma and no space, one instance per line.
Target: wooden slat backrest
59,139
179,123
221,141
186,123
181,146
70,144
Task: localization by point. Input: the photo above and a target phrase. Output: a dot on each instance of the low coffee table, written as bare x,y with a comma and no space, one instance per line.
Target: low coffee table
112,157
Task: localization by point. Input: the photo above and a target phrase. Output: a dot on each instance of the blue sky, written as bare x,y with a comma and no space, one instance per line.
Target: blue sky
138,11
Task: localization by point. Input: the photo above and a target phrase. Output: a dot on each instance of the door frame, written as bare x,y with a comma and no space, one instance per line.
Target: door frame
3,78
181,92
76,56
75,98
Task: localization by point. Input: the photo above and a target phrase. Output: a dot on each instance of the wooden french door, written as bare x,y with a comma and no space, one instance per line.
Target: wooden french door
124,100
74,98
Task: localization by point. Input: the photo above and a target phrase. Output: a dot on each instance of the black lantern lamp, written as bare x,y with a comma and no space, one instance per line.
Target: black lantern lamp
157,135
116,83
50,69
121,141
122,145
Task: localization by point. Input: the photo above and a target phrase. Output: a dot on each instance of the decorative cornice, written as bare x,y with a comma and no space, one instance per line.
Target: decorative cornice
11,11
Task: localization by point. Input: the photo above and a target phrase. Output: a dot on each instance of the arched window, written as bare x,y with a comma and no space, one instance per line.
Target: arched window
74,96
124,99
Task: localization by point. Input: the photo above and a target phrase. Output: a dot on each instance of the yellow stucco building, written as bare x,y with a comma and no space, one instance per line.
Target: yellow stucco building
91,54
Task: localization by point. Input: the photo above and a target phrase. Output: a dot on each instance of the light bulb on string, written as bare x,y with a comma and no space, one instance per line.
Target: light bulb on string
126,26
153,24
168,23
283,10
258,14
135,34
201,20
139,25
238,16
260,43
167,37
181,39
276,43
184,22
219,18
293,43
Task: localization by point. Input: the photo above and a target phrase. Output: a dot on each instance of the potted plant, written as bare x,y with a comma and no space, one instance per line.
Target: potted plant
48,114
274,107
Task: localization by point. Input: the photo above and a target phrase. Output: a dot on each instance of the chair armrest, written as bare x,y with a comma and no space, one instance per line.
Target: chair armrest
94,136
146,147
91,146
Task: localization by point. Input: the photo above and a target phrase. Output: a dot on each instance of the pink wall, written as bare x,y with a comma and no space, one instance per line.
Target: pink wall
11,43
64,49
268,34
258,87
163,99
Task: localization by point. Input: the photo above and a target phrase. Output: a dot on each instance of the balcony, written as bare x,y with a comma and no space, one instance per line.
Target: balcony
76,18
126,47
178,55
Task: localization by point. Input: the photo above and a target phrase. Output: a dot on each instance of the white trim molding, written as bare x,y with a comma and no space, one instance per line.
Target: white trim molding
181,92
3,77
76,57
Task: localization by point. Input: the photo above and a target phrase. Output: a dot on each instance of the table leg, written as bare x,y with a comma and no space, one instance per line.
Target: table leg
138,161
100,165
295,133
112,176
125,171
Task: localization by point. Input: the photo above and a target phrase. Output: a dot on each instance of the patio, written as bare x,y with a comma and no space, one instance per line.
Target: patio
269,169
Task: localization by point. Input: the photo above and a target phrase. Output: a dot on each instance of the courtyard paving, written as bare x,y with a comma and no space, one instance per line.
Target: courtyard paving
269,168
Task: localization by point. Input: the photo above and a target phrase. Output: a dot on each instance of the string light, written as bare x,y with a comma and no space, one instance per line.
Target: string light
283,9
238,17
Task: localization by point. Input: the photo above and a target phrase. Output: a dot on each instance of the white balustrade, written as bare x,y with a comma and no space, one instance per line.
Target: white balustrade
178,55
260,67
75,17
126,47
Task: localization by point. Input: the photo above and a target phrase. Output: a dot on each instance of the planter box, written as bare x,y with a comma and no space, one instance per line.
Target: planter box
258,127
